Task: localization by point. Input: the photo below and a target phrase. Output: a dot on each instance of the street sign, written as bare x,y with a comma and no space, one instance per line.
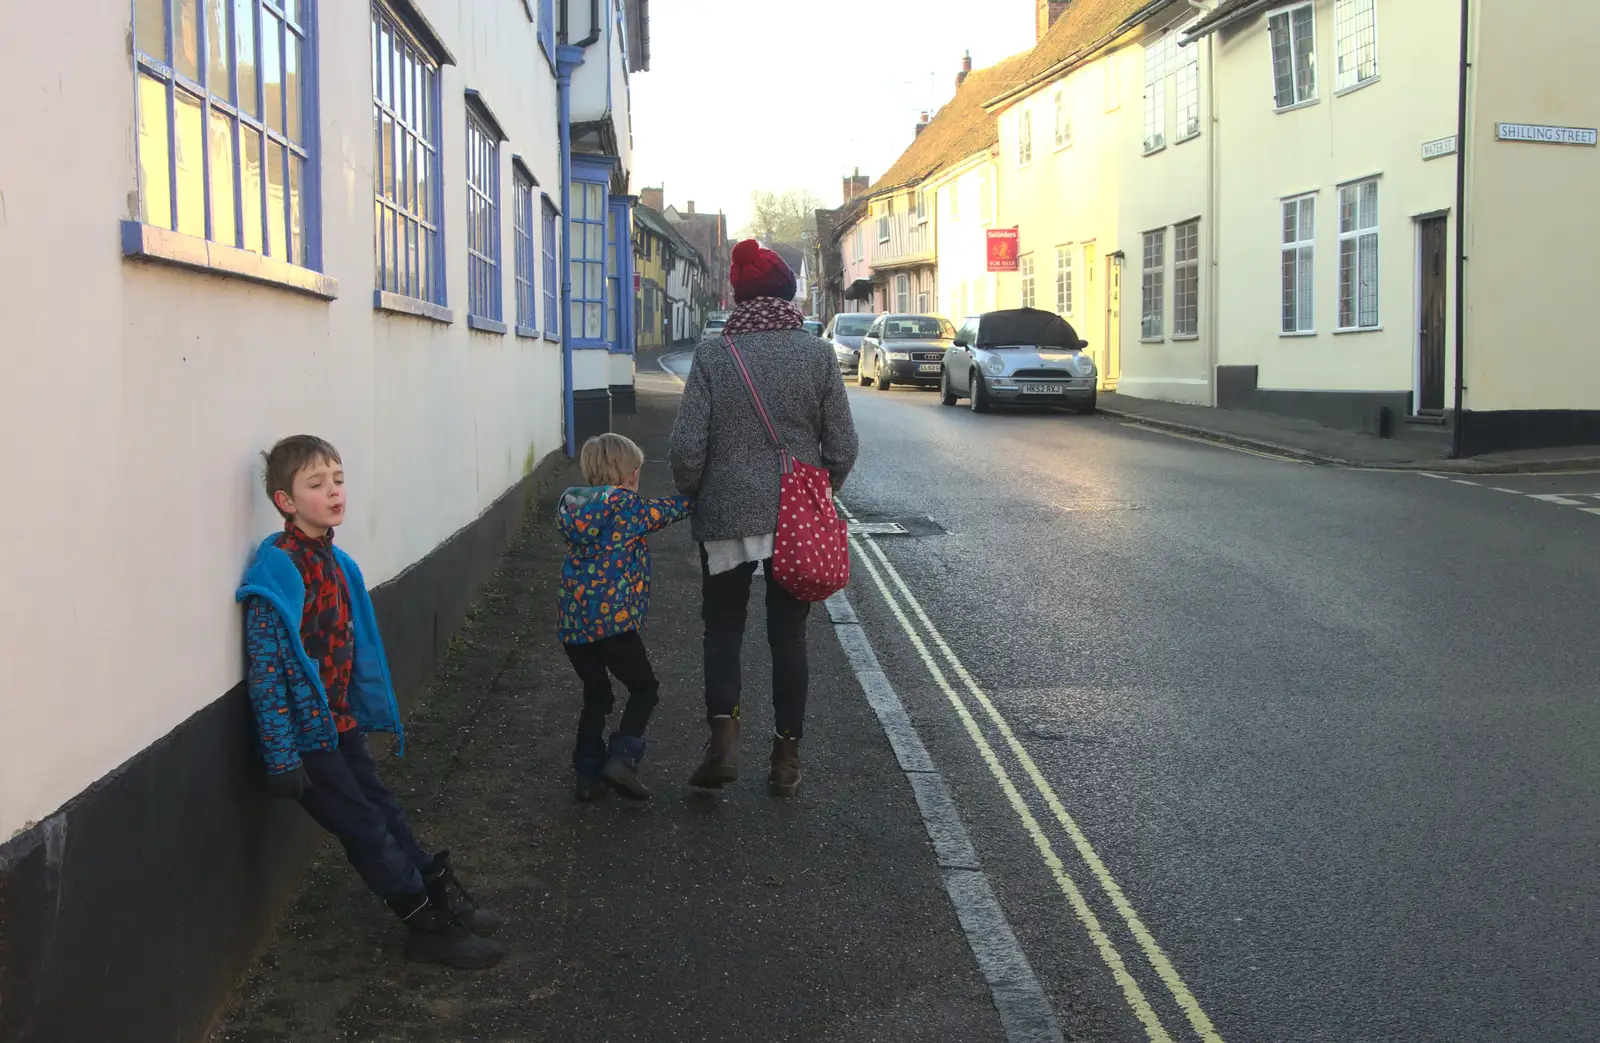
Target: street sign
1543,135
1003,244
638,282
1438,148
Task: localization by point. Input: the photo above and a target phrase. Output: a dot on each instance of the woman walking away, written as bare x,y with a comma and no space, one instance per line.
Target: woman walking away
724,457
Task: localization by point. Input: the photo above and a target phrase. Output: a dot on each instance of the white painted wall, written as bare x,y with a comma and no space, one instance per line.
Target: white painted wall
966,285
138,396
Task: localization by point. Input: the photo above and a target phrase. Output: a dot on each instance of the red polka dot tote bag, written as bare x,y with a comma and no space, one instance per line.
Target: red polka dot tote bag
811,550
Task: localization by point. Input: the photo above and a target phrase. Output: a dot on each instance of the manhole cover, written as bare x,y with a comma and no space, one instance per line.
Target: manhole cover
877,529
1086,506
902,525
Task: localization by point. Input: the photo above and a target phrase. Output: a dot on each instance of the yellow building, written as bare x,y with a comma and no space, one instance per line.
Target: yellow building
652,249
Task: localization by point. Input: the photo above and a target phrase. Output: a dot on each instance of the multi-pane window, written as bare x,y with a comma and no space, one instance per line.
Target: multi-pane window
1025,269
522,224
551,267
1186,279
922,207
924,300
1356,30
902,293
1358,256
1153,296
226,107
408,207
1157,58
1188,88
588,253
1064,280
1024,138
1299,256
883,228
483,218
1063,120
857,250
613,278
1294,55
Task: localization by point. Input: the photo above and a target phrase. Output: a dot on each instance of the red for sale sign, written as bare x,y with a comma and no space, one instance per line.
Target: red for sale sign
1003,243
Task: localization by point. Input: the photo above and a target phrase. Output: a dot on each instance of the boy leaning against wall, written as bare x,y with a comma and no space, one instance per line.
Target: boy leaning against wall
319,681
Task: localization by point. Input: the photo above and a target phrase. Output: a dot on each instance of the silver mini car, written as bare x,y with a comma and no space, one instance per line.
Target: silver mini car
1020,356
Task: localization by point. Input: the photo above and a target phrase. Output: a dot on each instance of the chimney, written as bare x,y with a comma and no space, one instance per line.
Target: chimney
856,185
966,69
654,198
691,206
1048,13
922,125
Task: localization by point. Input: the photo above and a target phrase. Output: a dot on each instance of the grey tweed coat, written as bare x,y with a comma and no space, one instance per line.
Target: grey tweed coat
721,454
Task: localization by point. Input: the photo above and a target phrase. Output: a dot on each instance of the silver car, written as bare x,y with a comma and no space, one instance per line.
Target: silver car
714,323
844,333
1021,356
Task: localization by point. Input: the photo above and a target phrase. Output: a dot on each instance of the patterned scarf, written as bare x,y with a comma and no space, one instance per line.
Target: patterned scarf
764,315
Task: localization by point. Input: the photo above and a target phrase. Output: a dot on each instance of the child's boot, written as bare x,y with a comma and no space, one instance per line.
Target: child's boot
446,892
621,772
437,936
587,764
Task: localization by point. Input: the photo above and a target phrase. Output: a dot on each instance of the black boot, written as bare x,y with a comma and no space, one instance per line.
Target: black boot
720,765
437,936
446,892
621,772
588,760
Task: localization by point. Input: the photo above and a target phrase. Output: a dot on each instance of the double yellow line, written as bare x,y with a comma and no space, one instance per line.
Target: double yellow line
899,598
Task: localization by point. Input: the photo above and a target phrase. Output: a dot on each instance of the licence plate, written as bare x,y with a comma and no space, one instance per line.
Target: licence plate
1043,389
928,367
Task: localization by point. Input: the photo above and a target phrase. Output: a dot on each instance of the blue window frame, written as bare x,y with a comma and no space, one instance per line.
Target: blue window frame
552,308
226,101
588,259
408,208
483,218
522,223
613,278
547,29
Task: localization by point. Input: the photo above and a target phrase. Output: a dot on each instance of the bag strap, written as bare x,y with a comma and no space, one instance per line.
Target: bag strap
761,408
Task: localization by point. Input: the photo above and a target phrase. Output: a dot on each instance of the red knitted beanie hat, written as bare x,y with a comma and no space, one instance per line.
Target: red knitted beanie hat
758,272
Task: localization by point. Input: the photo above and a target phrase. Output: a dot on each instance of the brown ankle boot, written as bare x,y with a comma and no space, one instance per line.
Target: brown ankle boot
785,776
721,763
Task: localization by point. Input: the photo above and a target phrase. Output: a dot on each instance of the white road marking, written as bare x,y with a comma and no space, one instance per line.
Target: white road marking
1577,500
1024,1009
1463,481
1513,492
1561,499
1215,444
1157,958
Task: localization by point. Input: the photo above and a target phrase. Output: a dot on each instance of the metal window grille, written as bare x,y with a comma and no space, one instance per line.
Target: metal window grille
483,219
1358,256
1025,269
1025,139
552,308
1188,89
522,223
1186,279
1153,297
1063,121
1299,256
408,202
588,260
1155,94
1294,55
227,123
1064,280
1356,29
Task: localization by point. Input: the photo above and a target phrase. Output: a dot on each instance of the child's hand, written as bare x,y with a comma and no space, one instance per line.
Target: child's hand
290,785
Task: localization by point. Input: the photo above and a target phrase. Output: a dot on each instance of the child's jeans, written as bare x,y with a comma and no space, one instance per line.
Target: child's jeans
624,657
348,799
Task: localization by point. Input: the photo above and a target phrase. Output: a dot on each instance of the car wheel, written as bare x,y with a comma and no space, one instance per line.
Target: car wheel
946,395
883,378
1087,407
861,371
980,394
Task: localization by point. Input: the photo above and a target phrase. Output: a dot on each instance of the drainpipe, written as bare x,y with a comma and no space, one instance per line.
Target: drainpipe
568,58
1458,436
1212,218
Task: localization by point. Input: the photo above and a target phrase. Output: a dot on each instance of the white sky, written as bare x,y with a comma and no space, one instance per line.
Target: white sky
748,94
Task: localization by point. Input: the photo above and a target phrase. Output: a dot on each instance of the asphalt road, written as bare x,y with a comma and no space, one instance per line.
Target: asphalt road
1331,735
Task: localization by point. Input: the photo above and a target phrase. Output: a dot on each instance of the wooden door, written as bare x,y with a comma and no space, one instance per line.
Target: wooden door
1433,242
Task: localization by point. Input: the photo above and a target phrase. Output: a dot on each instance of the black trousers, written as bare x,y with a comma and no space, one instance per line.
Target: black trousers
724,607
623,657
348,799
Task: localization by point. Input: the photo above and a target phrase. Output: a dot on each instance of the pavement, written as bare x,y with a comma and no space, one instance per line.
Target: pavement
731,916
1314,443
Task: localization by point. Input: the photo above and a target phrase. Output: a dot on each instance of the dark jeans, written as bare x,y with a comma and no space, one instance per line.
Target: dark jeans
624,657
724,605
348,799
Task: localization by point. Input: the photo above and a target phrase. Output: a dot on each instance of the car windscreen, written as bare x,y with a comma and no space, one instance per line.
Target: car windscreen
716,324
918,327
852,327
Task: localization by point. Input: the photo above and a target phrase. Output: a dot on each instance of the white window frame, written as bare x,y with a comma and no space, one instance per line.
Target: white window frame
1358,246
1024,138
857,237
902,293
1155,96
1025,269
1355,25
922,207
1153,285
883,228
1063,120
924,302
1300,93
1064,298
1298,267
1188,92
1186,280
